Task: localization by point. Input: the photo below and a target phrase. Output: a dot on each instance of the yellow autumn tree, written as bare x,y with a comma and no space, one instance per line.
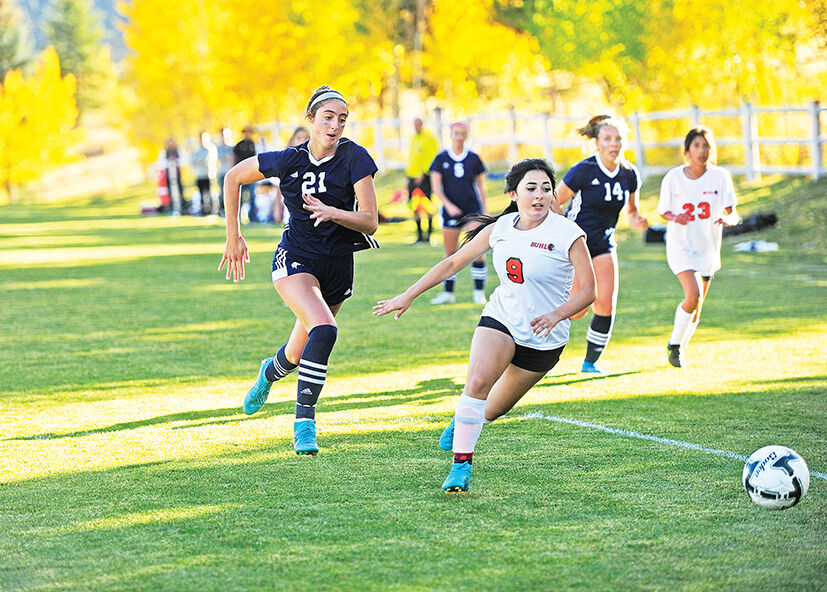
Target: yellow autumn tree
469,58
228,62
37,118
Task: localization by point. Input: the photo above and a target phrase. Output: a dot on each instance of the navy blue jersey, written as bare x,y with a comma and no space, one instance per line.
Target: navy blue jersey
330,180
599,194
459,172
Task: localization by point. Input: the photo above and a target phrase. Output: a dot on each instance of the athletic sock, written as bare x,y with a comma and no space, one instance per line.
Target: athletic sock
430,226
461,457
313,369
468,423
598,335
449,283
279,366
478,274
682,320
418,229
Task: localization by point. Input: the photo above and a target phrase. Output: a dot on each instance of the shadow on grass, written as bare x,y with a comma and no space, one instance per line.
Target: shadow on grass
371,501
424,392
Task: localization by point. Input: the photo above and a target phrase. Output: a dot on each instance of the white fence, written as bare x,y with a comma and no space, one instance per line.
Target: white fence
504,137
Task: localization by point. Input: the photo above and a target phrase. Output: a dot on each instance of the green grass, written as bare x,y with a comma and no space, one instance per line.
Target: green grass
126,463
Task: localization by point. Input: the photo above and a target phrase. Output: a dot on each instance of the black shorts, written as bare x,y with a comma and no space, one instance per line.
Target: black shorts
527,358
335,274
425,186
457,221
601,241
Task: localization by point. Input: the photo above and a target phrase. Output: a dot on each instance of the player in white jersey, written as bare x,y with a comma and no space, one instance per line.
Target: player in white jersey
698,200
524,326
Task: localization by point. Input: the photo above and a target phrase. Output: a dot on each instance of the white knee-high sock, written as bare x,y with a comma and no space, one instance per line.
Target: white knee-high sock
468,421
682,320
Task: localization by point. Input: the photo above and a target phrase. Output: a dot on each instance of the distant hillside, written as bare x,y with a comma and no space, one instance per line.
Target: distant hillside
37,12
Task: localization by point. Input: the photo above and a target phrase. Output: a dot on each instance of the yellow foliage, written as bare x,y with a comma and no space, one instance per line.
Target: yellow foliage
230,62
37,117
468,56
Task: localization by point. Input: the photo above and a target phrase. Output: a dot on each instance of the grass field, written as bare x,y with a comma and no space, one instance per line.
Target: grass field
127,464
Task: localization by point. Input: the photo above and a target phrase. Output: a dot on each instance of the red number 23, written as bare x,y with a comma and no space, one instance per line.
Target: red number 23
705,210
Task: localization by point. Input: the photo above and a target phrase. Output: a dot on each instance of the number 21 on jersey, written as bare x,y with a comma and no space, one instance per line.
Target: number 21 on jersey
309,185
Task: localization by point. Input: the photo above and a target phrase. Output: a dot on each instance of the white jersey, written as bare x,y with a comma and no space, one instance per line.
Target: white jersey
535,274
696,246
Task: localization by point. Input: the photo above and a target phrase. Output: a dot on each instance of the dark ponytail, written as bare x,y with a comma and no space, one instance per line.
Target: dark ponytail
512,179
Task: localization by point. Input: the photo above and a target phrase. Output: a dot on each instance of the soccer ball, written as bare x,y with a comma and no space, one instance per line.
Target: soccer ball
776,477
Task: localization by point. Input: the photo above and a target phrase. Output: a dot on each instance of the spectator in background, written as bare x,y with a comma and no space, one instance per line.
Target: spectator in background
226,160
173,167
424,147
280,213
242,151
204,162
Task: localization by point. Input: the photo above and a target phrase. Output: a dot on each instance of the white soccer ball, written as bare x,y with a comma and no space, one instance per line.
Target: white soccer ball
776,477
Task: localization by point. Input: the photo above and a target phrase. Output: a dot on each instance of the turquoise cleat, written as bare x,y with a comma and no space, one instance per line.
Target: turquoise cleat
257,395
459,479
304,438
590,368
446,440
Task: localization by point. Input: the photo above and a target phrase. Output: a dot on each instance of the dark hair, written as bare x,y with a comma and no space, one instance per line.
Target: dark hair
706,134
512,178
592,128
322,89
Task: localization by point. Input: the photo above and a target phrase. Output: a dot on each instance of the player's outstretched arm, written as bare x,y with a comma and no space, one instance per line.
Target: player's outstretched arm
437,274
236,253
581,299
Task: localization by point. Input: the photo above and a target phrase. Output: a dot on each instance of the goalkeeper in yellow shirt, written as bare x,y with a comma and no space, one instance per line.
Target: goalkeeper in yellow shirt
424,147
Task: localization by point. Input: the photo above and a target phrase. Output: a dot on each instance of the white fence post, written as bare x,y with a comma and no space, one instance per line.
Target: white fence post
512,144
815,143
547,139
640,157
438,125
694,115
379,144
752,159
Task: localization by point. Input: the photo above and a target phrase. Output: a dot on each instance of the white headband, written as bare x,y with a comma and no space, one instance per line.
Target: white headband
329,94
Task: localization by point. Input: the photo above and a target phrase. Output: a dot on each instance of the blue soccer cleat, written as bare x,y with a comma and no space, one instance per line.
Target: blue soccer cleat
459,479
304,438
446,440
590,368
257,395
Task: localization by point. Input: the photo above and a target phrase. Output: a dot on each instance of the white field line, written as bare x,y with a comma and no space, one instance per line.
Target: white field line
630,434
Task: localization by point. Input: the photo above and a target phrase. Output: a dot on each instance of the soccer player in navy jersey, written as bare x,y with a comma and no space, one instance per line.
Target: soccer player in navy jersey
327,184
599,187
458,179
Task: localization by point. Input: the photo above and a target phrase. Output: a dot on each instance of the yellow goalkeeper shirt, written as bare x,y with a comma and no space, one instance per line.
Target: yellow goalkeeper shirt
424,147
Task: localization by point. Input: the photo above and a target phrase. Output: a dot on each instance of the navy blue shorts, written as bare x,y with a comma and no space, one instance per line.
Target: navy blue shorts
601,241
527,358
335,274
457,221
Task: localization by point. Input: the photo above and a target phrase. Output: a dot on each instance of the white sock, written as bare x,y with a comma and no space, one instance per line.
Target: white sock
690,331
682,320
468,423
